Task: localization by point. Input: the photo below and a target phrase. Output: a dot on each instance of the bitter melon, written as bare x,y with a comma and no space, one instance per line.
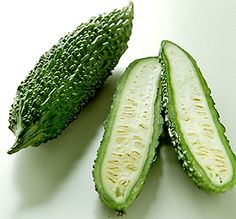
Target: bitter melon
67,77
193,122
131,135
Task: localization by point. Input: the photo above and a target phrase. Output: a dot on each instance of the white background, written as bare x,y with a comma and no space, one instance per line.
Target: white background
54,181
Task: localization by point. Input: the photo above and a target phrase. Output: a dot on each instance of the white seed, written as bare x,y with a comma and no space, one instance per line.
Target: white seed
139,144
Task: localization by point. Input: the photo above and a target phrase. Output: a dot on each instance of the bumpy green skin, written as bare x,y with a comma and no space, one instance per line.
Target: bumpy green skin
67,77
188,162
151,157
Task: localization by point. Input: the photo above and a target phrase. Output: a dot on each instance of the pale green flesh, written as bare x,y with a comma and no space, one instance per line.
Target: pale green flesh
195,118
132,131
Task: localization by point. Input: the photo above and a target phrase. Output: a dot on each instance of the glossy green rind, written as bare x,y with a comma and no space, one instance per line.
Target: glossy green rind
101,188
186,157
67,77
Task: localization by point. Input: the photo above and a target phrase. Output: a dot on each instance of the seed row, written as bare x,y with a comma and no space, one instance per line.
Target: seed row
128,141
202,140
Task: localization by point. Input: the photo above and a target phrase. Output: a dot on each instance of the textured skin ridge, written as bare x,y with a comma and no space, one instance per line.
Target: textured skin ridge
67,76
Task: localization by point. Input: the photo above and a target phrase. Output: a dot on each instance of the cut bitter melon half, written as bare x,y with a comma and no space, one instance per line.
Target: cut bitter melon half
193,122
131,135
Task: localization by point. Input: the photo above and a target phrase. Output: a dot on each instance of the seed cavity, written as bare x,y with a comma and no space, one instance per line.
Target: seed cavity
131,133
197,124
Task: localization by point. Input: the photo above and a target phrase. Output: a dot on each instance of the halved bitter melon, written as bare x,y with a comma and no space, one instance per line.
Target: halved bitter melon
131,135
193,121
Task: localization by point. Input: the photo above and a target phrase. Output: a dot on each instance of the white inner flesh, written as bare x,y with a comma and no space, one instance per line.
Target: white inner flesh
132,130
197,123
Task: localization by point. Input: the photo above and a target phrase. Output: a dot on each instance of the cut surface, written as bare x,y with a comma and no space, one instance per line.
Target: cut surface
200,130
132,131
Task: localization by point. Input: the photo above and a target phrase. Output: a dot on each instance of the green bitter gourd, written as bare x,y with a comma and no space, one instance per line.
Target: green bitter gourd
131,135
67,77
193,122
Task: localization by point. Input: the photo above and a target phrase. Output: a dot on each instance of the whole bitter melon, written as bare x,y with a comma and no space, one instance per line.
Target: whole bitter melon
194,126
131,135
67,77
